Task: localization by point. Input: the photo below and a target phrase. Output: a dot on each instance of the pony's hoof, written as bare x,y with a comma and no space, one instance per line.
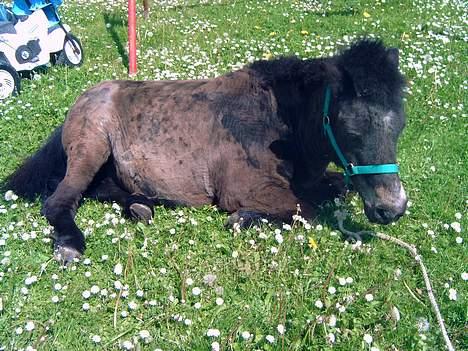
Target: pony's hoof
353,237
141,212
243,219
234,219
65,254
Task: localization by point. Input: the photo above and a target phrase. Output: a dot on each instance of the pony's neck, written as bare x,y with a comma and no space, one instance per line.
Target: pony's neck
299,88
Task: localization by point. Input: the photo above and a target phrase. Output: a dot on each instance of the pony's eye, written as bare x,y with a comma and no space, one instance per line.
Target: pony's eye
363,92
354,139
361,89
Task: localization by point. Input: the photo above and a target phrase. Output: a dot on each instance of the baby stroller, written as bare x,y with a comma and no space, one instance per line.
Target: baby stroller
32,35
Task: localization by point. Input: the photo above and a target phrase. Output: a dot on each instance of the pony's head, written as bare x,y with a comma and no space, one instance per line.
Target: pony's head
368,123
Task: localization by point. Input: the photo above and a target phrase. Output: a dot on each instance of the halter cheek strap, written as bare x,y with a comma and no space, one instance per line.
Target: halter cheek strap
350,169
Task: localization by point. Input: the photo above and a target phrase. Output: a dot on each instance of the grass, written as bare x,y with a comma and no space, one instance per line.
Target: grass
297,296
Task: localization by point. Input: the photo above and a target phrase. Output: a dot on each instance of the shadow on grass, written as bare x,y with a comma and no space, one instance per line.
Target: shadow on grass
348,12
198,5
115,21
325,216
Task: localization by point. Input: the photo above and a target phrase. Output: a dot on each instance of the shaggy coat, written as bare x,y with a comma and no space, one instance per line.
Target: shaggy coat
250,142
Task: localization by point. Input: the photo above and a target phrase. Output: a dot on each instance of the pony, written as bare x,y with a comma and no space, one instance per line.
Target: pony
251,142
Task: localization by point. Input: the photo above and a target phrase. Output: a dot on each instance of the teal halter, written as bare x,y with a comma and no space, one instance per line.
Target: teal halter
350,169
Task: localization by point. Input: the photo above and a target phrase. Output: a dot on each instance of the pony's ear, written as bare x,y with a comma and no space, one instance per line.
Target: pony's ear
393,56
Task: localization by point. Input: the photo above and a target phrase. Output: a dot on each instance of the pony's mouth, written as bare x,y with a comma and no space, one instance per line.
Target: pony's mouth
383,215
383,206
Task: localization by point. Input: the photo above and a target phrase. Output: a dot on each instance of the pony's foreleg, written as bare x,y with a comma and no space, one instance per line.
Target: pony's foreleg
273,202
332,185
83,162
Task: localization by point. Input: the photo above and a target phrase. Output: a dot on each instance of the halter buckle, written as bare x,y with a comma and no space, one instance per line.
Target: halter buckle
350,169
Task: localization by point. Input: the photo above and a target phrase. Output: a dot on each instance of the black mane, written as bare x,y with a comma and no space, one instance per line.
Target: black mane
292,69
297,84
299,87
367,69
366,61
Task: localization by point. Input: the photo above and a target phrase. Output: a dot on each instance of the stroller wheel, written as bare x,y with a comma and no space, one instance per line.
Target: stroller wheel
72,52
9,81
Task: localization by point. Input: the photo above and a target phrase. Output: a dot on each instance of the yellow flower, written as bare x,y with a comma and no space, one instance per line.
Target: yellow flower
272,34
312,243
257,27
267,55
304,32
366,14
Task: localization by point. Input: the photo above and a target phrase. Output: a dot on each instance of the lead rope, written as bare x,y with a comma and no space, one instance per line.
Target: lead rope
341,215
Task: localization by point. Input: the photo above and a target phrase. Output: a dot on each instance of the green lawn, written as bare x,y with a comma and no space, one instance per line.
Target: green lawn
173,284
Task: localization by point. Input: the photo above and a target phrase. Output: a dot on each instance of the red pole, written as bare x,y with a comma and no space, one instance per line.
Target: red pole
132,58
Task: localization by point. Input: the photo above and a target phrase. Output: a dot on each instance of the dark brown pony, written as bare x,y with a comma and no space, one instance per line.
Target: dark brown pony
250,142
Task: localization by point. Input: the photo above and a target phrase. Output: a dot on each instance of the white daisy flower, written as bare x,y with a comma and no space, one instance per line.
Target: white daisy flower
246,335
368,338
281,329
118,268
213,333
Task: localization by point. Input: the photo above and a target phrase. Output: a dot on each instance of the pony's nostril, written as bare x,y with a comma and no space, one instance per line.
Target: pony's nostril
382,213
385,215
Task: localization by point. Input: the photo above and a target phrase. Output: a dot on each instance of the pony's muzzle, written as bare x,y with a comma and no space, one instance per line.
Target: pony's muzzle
388,206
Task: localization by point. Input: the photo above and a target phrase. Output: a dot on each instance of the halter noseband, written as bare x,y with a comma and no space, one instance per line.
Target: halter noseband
350,169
